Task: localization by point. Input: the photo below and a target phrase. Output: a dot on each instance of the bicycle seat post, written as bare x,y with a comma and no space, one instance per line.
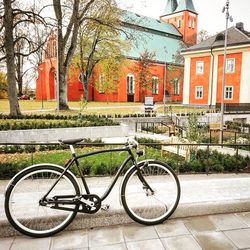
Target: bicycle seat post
72,150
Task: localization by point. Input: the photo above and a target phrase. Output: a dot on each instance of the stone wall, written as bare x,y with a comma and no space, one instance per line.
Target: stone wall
53,135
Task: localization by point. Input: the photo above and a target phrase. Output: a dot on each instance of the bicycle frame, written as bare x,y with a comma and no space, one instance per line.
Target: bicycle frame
75,159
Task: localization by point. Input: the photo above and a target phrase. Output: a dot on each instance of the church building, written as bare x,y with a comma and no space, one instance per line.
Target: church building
165,37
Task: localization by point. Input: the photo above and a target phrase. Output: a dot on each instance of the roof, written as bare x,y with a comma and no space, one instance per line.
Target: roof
235,37
185,5
149,23
173,7
153,35
170,7
164,47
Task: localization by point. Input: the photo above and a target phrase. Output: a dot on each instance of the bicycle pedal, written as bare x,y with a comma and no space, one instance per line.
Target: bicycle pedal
105,207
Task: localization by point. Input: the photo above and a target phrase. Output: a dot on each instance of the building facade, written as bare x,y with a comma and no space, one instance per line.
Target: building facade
204,65
163,37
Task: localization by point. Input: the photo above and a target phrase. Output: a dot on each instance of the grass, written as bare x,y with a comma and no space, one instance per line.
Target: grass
97,108
103,108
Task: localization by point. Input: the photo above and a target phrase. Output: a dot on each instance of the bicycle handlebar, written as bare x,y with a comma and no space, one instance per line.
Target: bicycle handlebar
132,143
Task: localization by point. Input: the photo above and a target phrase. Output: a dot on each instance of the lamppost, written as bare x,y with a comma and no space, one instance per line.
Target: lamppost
228,17
165,81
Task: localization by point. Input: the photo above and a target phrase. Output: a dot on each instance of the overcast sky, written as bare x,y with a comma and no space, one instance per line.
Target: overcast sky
210,13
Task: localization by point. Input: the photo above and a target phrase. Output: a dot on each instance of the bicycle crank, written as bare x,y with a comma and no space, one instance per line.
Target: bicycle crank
89,203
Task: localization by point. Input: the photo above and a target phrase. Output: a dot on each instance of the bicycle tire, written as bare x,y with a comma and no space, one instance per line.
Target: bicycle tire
143,206
19,206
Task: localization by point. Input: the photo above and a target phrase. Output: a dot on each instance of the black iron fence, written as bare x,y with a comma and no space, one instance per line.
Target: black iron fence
183,158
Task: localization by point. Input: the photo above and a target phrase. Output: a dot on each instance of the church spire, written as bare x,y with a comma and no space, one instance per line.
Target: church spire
170,7
184,17
186,5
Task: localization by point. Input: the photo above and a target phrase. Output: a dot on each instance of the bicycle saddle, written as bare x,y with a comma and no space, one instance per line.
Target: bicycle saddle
70,141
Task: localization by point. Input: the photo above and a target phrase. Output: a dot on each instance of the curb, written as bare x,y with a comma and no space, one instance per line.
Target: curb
119,216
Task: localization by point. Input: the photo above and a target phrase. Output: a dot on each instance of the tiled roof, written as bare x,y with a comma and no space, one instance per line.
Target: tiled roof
153,35
149,23
185,5
235,37
170,7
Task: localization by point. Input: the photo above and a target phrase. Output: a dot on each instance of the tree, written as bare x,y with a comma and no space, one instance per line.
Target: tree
144,71
100,43
3,85
69,18
108,79
202,35
13,17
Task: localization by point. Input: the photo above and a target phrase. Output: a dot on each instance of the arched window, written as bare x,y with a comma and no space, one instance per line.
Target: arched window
130,84
155,85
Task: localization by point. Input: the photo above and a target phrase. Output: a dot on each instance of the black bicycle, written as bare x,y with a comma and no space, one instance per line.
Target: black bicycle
43,199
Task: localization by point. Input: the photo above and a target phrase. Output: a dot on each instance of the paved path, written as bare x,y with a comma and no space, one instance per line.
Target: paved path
215,232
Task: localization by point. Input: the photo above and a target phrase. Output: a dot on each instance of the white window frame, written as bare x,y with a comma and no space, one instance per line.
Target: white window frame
155,85
101,84
130,84
176,87
193,24
199,92
199,67
178,23
230,68
190,23
228,92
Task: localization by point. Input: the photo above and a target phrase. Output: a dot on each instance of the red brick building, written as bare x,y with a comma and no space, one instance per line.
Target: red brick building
163,37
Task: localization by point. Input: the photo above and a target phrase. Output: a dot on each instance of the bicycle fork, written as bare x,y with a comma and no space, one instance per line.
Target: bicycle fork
142,179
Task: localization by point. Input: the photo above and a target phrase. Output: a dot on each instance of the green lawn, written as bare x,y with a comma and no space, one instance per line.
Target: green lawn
91,108
97,108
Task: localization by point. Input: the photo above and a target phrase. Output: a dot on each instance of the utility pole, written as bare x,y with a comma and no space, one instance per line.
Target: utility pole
228,17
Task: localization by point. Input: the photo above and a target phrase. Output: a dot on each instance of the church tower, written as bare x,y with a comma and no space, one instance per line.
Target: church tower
184,17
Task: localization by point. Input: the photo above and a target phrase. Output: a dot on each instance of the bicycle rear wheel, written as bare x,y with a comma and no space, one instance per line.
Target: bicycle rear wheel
22,206
141,204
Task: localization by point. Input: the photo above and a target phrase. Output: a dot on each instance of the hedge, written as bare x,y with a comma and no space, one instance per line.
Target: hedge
108,163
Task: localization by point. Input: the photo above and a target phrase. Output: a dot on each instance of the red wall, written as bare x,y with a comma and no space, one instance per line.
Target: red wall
189,33
46,84
199,80
231,79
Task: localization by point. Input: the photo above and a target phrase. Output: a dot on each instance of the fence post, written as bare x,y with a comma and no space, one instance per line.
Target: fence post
237,156
178,155
207,167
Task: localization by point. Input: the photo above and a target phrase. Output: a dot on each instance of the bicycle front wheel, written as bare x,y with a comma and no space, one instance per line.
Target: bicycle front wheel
145,206
22,202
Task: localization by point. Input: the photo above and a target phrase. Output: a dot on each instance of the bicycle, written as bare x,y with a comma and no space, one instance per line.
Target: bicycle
43,199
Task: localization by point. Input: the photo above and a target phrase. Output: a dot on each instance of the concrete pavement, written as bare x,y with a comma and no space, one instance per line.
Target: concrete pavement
213,232
200,195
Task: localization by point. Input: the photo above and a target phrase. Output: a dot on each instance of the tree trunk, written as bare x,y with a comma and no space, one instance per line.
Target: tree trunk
85,88
19,73
63,99
10,59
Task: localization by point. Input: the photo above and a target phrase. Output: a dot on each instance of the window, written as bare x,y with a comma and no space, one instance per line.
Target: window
100,85
176,87
130,84
230,65
193,24
178,23
228,93
155,86
199,67
198,92
189,23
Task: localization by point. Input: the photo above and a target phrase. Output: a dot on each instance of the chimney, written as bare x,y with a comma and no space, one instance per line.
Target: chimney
240,26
